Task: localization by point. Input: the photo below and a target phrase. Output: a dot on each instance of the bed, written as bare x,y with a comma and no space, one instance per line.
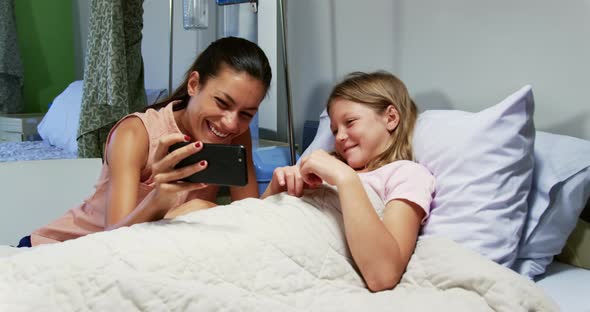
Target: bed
567,285
32,150
293,260
58,128
289,254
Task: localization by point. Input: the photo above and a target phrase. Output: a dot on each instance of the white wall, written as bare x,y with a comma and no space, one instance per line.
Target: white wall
267,40
457,54
187,44
155,44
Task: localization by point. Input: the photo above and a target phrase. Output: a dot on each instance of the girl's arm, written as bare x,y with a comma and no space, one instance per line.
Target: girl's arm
381,249
126,154
250,189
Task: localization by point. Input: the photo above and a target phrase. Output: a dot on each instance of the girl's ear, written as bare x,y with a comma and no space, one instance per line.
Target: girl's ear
193,83
392,116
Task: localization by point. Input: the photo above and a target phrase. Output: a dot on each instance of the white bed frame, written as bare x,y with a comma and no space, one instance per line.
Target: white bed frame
35,192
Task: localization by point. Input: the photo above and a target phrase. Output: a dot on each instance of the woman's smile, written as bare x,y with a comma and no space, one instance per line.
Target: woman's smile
216,131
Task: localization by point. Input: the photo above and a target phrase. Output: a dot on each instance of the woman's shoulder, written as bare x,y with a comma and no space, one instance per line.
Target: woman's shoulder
155,113
131,125
130,134
158,122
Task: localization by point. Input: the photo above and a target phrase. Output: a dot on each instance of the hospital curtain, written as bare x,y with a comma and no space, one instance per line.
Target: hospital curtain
11,67
113,71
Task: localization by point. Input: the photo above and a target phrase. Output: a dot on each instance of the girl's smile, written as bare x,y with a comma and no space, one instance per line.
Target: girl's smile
361,133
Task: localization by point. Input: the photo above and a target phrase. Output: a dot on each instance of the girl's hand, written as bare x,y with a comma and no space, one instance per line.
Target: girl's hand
320,166
287,179
166,178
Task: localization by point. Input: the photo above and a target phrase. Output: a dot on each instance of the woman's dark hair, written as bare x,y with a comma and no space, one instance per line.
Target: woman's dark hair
238,54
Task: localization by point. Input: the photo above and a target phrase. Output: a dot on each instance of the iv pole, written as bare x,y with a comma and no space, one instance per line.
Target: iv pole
171,17
282,12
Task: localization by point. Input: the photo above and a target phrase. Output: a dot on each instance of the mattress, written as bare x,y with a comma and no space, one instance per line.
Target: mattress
32,150
568,285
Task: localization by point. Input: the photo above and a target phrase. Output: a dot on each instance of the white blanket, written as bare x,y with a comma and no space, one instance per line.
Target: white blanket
280,254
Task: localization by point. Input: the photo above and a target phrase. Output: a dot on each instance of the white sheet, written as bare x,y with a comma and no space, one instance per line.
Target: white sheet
6,251
280,254
32,150
568,285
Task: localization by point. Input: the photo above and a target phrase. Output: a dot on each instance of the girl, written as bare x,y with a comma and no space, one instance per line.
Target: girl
372,118
215,104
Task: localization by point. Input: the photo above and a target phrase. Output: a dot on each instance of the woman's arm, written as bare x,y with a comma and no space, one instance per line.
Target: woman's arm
127,152
250,189
126,155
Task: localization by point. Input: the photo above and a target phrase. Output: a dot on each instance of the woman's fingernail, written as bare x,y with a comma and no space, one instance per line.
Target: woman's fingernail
198,144
187,138
203,163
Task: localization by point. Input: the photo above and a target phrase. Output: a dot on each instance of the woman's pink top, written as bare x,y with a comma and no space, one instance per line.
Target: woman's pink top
90,216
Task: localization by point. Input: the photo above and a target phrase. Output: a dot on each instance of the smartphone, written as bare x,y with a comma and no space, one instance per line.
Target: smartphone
226,164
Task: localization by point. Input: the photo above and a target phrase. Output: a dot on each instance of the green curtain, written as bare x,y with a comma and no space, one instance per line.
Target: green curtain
11,67
113,71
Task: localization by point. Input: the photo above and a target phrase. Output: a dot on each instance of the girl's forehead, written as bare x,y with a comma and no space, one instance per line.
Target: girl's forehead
341,108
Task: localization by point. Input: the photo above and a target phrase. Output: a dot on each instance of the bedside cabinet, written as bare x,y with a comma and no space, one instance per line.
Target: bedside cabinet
19,127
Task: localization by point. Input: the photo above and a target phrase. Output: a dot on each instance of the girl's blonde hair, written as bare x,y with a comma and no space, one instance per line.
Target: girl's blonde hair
377,91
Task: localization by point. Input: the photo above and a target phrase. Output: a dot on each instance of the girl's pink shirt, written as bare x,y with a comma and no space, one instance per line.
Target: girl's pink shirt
402,179
89,217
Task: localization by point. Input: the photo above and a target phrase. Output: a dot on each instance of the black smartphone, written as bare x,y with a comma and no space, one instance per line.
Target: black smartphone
226,164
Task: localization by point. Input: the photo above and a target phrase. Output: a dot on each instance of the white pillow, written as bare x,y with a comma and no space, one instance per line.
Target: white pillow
559,193
324,139
483,165
59,126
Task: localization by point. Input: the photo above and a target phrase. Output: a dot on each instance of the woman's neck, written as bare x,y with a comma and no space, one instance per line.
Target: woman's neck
179,119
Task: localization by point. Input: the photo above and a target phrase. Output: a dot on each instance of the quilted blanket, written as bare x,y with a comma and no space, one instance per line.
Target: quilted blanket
278,254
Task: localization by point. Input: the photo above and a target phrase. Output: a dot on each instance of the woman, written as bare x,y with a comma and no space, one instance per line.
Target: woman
215,104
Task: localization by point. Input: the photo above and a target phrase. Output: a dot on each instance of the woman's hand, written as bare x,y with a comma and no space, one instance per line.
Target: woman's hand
320,166
127,157
165,178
